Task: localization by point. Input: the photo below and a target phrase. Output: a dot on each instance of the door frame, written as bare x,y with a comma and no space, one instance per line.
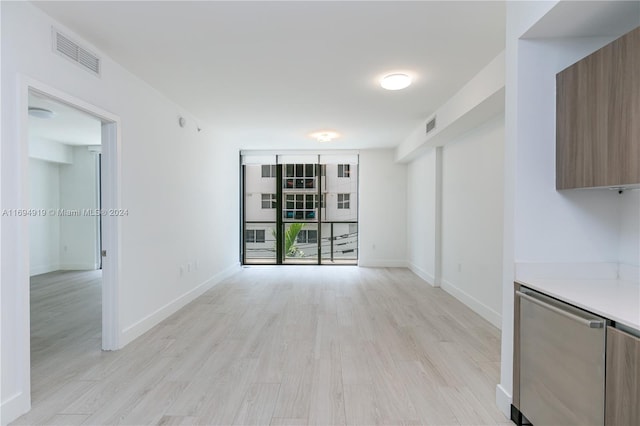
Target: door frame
111,229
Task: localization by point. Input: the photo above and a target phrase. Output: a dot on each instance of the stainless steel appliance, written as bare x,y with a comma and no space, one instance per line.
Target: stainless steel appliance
562,362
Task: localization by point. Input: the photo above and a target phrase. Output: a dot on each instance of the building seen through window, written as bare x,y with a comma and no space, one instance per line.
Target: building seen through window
308,215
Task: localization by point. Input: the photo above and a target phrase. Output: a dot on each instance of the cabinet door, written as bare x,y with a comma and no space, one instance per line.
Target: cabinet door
622,391
597,111
623,120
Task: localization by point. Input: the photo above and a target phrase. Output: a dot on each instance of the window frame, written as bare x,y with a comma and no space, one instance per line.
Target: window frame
306,234
344,170
255,236
344,201
271,199
271,171
299,176
299,202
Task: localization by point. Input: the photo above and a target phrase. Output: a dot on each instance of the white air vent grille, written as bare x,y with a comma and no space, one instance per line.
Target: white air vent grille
431,125
69,49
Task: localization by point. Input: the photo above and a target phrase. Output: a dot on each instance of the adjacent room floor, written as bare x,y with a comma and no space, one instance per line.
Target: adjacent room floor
66,327
286,345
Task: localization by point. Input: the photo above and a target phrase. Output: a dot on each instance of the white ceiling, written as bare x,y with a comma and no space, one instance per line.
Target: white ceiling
266,74
588,19
69,126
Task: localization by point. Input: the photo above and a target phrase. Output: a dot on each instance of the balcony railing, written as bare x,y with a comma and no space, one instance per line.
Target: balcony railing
299,183
338,244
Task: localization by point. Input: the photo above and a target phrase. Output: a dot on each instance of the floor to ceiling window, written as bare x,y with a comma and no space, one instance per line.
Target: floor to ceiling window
299,209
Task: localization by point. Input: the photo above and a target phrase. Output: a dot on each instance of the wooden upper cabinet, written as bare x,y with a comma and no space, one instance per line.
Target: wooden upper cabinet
598,117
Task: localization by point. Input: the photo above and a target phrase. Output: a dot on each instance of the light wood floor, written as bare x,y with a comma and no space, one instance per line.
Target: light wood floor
326,345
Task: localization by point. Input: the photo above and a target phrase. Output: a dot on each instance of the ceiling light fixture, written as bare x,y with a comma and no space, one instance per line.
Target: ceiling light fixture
325,136
395,81
41,112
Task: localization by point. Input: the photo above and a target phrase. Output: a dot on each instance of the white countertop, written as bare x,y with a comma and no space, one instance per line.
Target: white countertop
617,300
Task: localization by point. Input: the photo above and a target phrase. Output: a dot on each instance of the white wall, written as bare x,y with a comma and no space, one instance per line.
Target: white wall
382,201
57,241
44,238
555,226
421,216
472,210
520,17
456,242
455,194
49,150
179,212
79,191
629,249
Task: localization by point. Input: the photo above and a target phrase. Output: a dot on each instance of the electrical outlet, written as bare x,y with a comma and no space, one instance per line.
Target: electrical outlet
459,267
181,269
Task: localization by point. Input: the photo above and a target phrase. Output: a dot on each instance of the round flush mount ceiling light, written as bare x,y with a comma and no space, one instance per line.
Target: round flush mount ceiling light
325,136
41,112
395,81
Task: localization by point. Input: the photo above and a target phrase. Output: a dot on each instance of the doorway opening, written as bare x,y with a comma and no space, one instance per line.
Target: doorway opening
299,209
65,233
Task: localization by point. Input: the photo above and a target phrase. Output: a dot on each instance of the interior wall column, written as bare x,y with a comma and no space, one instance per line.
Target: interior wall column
438,219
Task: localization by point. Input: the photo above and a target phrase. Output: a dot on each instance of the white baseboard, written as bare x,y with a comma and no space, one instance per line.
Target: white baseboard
382,263
477,306
136,330
37,270
13,407
503,401
77,267
430,279
44,269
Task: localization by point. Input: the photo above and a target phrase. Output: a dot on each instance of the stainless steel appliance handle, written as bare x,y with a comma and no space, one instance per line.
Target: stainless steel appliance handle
588,322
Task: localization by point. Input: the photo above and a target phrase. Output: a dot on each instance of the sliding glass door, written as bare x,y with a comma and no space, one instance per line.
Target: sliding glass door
300,209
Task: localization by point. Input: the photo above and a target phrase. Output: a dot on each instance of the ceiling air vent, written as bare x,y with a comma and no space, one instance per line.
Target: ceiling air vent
70,50
431,124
